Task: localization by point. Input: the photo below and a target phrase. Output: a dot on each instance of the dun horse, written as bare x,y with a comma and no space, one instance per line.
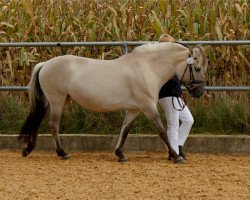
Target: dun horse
131,82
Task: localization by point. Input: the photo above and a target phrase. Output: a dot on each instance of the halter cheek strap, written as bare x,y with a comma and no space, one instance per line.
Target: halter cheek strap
192,82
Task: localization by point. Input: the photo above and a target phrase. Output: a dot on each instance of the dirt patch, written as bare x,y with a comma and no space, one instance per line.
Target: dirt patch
98,175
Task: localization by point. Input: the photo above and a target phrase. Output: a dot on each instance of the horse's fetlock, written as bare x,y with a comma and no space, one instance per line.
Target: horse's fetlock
119,153
27,150
60,152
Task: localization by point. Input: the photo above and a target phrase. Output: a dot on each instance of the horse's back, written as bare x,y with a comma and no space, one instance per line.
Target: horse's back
100,85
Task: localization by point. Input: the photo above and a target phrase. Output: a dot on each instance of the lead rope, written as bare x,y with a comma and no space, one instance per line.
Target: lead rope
180,98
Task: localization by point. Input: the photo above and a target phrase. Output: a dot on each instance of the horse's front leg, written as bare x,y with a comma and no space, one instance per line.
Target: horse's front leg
153,115
127,123
55,116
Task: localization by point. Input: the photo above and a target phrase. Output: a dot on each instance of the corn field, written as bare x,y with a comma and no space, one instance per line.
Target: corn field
127,20
120,20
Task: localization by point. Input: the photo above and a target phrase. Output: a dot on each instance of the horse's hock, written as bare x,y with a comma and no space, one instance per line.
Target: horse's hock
228,144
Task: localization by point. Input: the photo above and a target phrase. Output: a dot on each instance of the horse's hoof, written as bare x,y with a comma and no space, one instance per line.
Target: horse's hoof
66,157
180,160
120,155
27,150
25,153
61,153
123,159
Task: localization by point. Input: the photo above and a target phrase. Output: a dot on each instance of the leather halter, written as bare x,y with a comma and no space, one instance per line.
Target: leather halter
192,84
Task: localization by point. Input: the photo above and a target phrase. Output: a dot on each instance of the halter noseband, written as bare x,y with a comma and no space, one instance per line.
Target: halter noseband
192,84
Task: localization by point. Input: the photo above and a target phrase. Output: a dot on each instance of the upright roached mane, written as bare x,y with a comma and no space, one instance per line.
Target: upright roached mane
152,47
131,82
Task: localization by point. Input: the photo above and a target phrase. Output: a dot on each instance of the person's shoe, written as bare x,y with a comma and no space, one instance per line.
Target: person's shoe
181,153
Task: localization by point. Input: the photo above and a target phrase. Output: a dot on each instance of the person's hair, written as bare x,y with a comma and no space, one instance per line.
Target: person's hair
166,38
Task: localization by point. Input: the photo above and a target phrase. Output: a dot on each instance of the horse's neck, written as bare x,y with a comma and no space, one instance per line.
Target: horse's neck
165,65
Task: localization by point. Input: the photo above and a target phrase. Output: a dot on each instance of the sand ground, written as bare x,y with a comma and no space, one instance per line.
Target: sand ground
147,175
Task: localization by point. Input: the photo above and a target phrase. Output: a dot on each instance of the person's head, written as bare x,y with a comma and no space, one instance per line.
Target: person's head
166,38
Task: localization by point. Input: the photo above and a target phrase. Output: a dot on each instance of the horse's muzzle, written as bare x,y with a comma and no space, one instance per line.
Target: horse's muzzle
197,91
196,95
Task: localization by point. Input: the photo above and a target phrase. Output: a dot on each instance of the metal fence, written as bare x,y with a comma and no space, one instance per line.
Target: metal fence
125,45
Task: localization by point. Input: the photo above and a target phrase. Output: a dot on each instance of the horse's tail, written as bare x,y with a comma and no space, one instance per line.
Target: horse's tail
38,107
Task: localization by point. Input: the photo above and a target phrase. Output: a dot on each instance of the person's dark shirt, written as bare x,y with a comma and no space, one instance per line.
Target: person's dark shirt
171,88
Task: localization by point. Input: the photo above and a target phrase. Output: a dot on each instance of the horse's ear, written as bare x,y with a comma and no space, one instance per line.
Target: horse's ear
191,49
196,48
199,46
202,55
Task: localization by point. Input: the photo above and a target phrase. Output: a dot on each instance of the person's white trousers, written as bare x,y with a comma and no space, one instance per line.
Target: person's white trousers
177,134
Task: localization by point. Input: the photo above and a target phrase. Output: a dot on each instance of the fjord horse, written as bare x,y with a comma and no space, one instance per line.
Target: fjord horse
131,82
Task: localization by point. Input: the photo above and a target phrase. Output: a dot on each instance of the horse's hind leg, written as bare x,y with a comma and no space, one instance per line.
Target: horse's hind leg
56,108
30,145
29,130
127,123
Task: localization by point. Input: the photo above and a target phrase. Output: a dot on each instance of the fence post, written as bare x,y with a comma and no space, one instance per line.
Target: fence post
125,47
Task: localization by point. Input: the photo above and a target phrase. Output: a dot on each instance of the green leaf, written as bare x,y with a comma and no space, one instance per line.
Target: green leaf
156,24
218,29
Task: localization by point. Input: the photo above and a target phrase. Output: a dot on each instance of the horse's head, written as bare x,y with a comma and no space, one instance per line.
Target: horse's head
193,76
